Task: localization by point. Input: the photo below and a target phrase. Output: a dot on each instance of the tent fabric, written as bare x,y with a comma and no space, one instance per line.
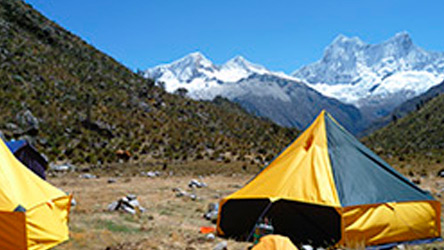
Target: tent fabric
362,177
301,173
274,242
29,156
334,190
15,145
391,222
45,210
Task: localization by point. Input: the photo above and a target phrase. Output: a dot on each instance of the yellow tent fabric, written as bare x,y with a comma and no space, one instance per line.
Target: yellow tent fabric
274,242
305,162
327,188
377,224
33,213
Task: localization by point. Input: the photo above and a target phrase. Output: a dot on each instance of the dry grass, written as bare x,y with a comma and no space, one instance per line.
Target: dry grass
169,222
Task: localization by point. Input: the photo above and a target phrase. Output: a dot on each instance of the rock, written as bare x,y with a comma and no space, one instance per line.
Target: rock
144,106
221,246
210,237
128,204
193,197
88,176
150,174
179,192
111,180
27,119
73,202
99,127
62,168
195,183
307,247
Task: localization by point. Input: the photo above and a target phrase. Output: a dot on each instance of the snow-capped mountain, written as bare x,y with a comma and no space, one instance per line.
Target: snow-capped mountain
374,77
201,77
279,97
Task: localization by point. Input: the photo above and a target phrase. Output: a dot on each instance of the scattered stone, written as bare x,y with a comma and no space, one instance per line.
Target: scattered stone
193,197
210,237
221,246
440,173
400,247
179,192
151,174
73,202
99,127
88,176
196,184
27,119
111,180
307,247
128,204
62,168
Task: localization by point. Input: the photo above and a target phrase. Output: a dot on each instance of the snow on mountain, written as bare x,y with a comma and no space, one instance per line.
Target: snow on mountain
205,80
379,76
374,78
277,96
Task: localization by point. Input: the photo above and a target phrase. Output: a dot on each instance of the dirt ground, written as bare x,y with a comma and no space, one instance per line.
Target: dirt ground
169,222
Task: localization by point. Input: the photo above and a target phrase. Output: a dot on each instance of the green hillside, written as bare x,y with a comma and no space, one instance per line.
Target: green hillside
418,137
79,105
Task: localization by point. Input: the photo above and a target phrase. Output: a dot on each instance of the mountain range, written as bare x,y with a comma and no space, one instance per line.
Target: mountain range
284,99
357,82
374,77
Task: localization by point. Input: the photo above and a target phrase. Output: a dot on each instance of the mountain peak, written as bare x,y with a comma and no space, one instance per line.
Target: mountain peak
402,39
192,60
241,62
196,55
196,58
403,35
342,40
238,59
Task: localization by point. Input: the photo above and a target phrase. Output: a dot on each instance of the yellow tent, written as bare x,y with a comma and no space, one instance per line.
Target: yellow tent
274,242
326,188
33,213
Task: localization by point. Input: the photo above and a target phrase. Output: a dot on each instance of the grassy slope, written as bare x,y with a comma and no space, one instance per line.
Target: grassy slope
417,138
59,78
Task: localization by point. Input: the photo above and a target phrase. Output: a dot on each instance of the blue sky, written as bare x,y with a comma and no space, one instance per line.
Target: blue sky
281,35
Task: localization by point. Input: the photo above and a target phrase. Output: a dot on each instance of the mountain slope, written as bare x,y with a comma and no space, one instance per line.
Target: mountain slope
407,107
376,78
78,104
419,133
276,96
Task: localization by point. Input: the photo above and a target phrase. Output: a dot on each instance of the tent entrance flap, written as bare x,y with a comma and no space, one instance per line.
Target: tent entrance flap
303,223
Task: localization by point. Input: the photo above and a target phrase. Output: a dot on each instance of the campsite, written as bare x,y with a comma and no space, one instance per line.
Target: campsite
165,217
130,125
175,222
